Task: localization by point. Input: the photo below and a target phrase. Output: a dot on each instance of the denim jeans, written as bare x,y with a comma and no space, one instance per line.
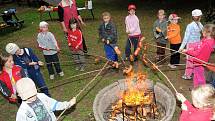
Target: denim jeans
132,41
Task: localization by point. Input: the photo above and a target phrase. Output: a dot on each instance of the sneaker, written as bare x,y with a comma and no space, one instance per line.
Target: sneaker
186,77
51,77
172,66
61,73
82,68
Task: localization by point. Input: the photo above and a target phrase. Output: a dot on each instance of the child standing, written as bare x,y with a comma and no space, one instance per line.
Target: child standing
191,39
202,51
75,42
48,44
108,35
37,106
203,100
9,75
30,63
174,37
159,32
133,31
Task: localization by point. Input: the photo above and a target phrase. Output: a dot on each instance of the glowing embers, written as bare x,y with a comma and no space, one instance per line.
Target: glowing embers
137,103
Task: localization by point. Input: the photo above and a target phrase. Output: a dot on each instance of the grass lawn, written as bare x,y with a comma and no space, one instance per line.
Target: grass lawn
26,37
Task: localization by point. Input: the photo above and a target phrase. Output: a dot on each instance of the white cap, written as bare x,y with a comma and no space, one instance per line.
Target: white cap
196,12
43,23
26,88
11,48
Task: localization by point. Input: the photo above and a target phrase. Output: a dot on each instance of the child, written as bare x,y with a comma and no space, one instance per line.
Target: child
9,75
37,106
203,104
174,37
30,63
48,44
75,42
108,35
191,39
159,31
133,31
202,51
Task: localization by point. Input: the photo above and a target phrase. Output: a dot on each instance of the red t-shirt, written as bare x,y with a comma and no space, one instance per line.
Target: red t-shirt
75,40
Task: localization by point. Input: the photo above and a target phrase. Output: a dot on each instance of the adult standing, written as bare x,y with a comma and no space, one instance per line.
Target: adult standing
67,9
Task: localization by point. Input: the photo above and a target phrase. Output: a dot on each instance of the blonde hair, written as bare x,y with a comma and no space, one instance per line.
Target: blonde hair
204,96
106,14
210,28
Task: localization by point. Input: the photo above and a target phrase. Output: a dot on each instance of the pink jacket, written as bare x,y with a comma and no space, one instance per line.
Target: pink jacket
202,50
195,114
132,25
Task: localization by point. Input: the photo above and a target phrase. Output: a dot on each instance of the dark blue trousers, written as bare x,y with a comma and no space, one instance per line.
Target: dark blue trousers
38,79
132,41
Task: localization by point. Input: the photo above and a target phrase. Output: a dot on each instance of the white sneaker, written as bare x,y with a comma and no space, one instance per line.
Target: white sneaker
171,66
61,73
51,77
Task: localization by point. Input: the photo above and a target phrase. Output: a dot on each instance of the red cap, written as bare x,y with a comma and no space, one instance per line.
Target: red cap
173,16
131,6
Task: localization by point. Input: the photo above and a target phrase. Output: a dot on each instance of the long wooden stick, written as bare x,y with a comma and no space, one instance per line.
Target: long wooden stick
84,88
181,53
78,75
168,80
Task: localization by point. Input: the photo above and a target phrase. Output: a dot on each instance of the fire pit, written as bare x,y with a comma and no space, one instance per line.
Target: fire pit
143,102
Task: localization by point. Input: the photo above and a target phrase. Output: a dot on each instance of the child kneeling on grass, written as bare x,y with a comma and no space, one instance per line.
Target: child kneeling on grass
37,106
75,43
108,35
203,100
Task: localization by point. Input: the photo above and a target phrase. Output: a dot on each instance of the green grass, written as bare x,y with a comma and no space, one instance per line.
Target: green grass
26,37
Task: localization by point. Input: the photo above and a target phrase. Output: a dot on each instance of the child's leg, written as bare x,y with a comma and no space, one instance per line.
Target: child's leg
37,77
81,58
40,82
199,78
189,61
57,64
135,41
48,59
160,51
128,48
76,59
175,58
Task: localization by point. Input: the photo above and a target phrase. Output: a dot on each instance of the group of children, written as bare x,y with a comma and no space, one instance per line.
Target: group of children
22,62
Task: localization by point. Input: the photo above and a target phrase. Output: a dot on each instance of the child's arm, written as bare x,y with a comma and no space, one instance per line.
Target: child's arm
79,39
112,37
175,32
155,31
186,37
195,51
56,105
4,89
41,46
69,39
54,41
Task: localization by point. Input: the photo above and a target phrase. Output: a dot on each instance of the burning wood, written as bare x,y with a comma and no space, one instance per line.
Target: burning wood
137,103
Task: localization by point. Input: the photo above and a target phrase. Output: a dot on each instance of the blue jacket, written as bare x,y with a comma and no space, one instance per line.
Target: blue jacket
108,32
21,60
